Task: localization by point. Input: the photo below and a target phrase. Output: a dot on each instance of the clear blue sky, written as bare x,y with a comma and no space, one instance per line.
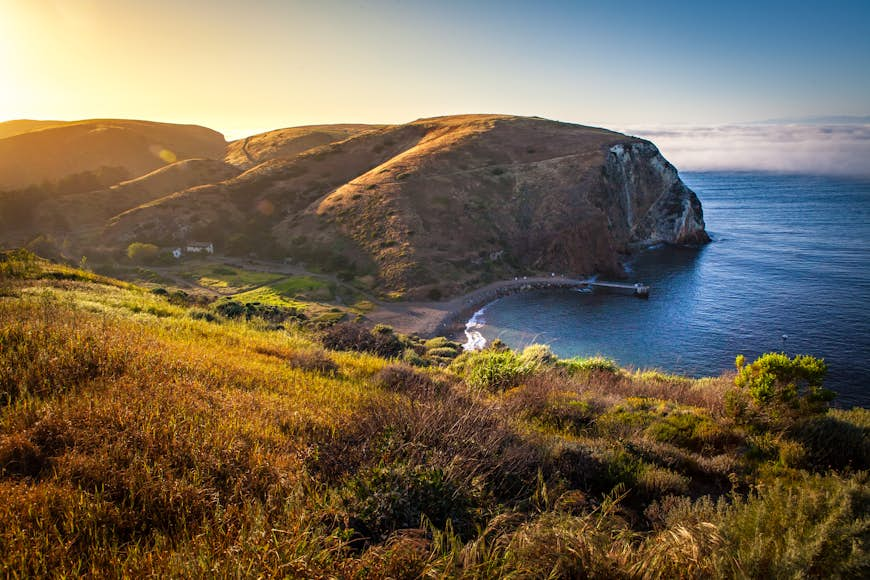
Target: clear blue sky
245,66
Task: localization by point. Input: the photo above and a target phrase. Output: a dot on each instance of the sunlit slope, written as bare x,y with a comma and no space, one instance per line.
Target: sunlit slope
137,146
250,151
19,126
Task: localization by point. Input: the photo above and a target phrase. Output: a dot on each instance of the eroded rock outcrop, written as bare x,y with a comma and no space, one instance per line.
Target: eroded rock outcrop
656,205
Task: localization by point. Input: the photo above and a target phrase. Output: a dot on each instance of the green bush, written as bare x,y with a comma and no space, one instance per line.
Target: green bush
411,357
494,370
836,440
591,364
539,354
774,378
392,497
18,264
142,253
689,430
444,351
815,527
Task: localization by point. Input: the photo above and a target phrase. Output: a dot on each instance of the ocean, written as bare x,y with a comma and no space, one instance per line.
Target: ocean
788,270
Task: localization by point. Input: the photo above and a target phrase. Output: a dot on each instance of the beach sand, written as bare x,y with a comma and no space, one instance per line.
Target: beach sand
448,318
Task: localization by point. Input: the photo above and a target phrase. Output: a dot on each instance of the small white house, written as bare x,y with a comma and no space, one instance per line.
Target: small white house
199,247
176,253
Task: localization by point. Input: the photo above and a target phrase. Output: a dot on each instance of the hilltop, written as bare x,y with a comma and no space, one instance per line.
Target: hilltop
50,151
251,151
19,126
151,434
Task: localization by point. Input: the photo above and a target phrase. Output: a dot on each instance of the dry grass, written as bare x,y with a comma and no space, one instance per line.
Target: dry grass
137,441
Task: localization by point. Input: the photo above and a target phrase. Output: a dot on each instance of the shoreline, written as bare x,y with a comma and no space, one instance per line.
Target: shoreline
448,318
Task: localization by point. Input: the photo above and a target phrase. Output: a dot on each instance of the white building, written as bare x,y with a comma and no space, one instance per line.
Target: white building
199,247
176,253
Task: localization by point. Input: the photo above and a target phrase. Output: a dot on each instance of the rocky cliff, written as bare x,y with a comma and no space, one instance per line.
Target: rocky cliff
652,203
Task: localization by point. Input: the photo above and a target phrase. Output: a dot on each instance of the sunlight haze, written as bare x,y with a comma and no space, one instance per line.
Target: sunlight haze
244,68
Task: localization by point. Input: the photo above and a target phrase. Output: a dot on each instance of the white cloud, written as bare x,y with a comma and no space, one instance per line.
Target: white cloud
837,149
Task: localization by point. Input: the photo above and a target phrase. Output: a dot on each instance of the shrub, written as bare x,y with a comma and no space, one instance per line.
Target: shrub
18,264
591,364
202,315
836,440
230,309
142,253
539,354
443,352
816,526
494,370
689,430
398,496
403,379
381,340
411,357
441,342
774,378
312,360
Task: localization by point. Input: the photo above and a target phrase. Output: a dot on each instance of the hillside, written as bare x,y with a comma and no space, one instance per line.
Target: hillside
137,147
93,208
441,205
250,151
143,435
19,126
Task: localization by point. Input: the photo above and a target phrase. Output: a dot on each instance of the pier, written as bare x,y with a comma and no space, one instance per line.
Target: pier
639,290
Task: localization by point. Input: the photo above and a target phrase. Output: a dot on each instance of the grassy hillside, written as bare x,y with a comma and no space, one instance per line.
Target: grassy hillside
432,207
56,151
19,126
251,151
142,436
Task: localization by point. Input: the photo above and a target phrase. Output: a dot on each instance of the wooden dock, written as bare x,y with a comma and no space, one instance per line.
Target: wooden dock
639,290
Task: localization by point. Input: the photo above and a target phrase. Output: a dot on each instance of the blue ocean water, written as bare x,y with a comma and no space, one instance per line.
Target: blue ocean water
788,270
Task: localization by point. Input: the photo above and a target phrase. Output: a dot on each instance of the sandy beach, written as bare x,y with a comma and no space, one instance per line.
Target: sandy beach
448,318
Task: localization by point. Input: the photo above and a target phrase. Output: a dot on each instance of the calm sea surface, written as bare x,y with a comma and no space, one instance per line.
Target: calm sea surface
790,256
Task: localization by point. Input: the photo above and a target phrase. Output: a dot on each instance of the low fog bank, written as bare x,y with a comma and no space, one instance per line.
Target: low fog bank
833,149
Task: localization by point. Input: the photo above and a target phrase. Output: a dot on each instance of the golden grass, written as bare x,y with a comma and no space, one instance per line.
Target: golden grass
138,441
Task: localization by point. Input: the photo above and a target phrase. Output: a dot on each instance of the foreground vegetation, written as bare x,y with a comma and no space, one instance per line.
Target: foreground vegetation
141,436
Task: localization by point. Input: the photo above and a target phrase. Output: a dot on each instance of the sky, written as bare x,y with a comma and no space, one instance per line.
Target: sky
241,67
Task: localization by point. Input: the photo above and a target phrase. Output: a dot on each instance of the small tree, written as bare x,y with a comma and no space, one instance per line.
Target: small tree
142,253
776,382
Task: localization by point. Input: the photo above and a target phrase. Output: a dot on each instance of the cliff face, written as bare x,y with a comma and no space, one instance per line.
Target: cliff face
651,203
442,204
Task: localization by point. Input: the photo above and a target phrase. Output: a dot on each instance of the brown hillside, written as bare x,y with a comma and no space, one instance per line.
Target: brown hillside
86,213
443,203
19,126
251,151
137,146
